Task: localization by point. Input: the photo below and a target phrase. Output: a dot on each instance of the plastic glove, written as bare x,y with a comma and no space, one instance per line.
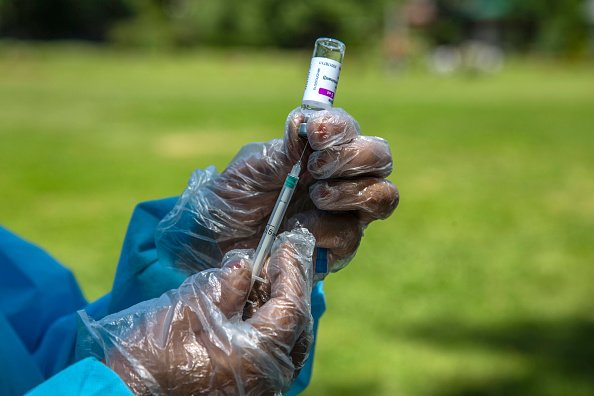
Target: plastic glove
342,189
193,340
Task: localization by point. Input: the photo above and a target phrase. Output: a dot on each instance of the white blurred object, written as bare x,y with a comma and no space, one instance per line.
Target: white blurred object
589,11
473,56
482,57
445,59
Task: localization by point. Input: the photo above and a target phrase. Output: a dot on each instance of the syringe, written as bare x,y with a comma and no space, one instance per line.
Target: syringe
275,220
319,93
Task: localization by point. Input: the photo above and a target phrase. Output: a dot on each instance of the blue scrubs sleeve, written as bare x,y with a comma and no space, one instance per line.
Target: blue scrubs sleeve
141,275
318,306
88,377
35,290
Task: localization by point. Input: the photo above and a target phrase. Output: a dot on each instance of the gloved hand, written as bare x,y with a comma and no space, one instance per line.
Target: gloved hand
341,190
193,340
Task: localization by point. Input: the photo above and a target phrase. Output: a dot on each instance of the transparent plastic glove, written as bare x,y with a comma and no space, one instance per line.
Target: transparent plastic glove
193,340
342,189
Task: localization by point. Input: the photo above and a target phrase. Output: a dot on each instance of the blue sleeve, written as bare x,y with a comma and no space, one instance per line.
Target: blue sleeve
34,289
318,306
39,297
38,302
88,377
141,275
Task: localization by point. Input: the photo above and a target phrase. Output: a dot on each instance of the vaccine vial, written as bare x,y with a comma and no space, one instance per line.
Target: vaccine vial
324,72
322,79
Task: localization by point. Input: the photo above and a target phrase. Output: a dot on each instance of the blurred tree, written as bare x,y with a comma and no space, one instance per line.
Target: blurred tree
60,19
545,25
278,23
549,25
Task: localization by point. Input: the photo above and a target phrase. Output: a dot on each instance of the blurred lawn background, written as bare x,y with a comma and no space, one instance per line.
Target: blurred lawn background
482,281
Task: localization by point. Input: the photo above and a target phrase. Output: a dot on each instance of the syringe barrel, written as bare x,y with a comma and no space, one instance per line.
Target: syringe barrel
324,73
276,217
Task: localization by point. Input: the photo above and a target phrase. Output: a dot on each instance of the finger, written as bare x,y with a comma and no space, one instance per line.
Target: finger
226,288
365,155
284,317
373,198
332,127
259,294
257,175
340,233
294,144
300,352
261,168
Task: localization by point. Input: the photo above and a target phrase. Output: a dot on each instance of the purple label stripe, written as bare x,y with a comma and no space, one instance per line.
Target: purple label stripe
326,92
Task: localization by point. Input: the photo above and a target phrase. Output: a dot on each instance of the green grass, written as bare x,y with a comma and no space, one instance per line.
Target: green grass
480,284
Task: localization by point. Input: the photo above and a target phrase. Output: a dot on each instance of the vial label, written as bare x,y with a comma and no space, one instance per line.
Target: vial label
322,81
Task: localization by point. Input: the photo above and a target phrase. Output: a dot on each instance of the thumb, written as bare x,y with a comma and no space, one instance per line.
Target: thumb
293,143
230,293
283,318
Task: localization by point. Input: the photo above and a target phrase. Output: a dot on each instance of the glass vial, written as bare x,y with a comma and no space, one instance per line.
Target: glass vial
324,72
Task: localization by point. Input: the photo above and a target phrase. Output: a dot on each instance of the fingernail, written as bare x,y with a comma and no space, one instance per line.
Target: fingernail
323,132
236,264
